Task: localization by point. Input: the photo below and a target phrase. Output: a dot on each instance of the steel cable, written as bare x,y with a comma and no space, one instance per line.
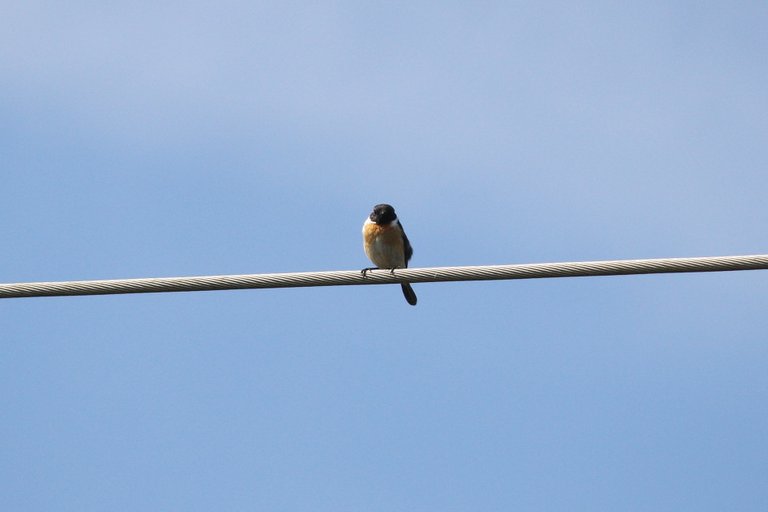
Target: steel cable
413,275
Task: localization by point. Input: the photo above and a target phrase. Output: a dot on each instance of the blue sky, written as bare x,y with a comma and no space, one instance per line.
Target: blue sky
146,139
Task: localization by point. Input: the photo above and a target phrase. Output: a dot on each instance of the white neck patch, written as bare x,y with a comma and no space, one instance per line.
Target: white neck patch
369,221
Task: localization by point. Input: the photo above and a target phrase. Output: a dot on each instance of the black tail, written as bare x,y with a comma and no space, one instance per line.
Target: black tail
410,295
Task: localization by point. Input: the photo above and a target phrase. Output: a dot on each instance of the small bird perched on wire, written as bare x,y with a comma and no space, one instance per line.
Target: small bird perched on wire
386,245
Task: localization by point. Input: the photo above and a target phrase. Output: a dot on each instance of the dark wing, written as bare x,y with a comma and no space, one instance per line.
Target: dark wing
406,245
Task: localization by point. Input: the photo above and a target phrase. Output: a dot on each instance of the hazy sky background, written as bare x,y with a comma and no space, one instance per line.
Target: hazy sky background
151,139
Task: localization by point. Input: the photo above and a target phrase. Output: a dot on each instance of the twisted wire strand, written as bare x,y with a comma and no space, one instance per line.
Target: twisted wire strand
413,275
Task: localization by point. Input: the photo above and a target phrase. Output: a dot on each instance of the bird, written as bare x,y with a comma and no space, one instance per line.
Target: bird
386,245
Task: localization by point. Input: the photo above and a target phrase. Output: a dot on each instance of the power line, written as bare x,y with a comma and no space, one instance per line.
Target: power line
413,275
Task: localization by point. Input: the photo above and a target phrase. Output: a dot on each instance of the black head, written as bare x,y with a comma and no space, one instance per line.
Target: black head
382,214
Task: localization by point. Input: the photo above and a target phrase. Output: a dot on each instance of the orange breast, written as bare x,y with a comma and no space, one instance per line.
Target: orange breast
384,246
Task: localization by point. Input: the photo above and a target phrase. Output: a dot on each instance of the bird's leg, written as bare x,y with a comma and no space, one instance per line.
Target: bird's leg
366,269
